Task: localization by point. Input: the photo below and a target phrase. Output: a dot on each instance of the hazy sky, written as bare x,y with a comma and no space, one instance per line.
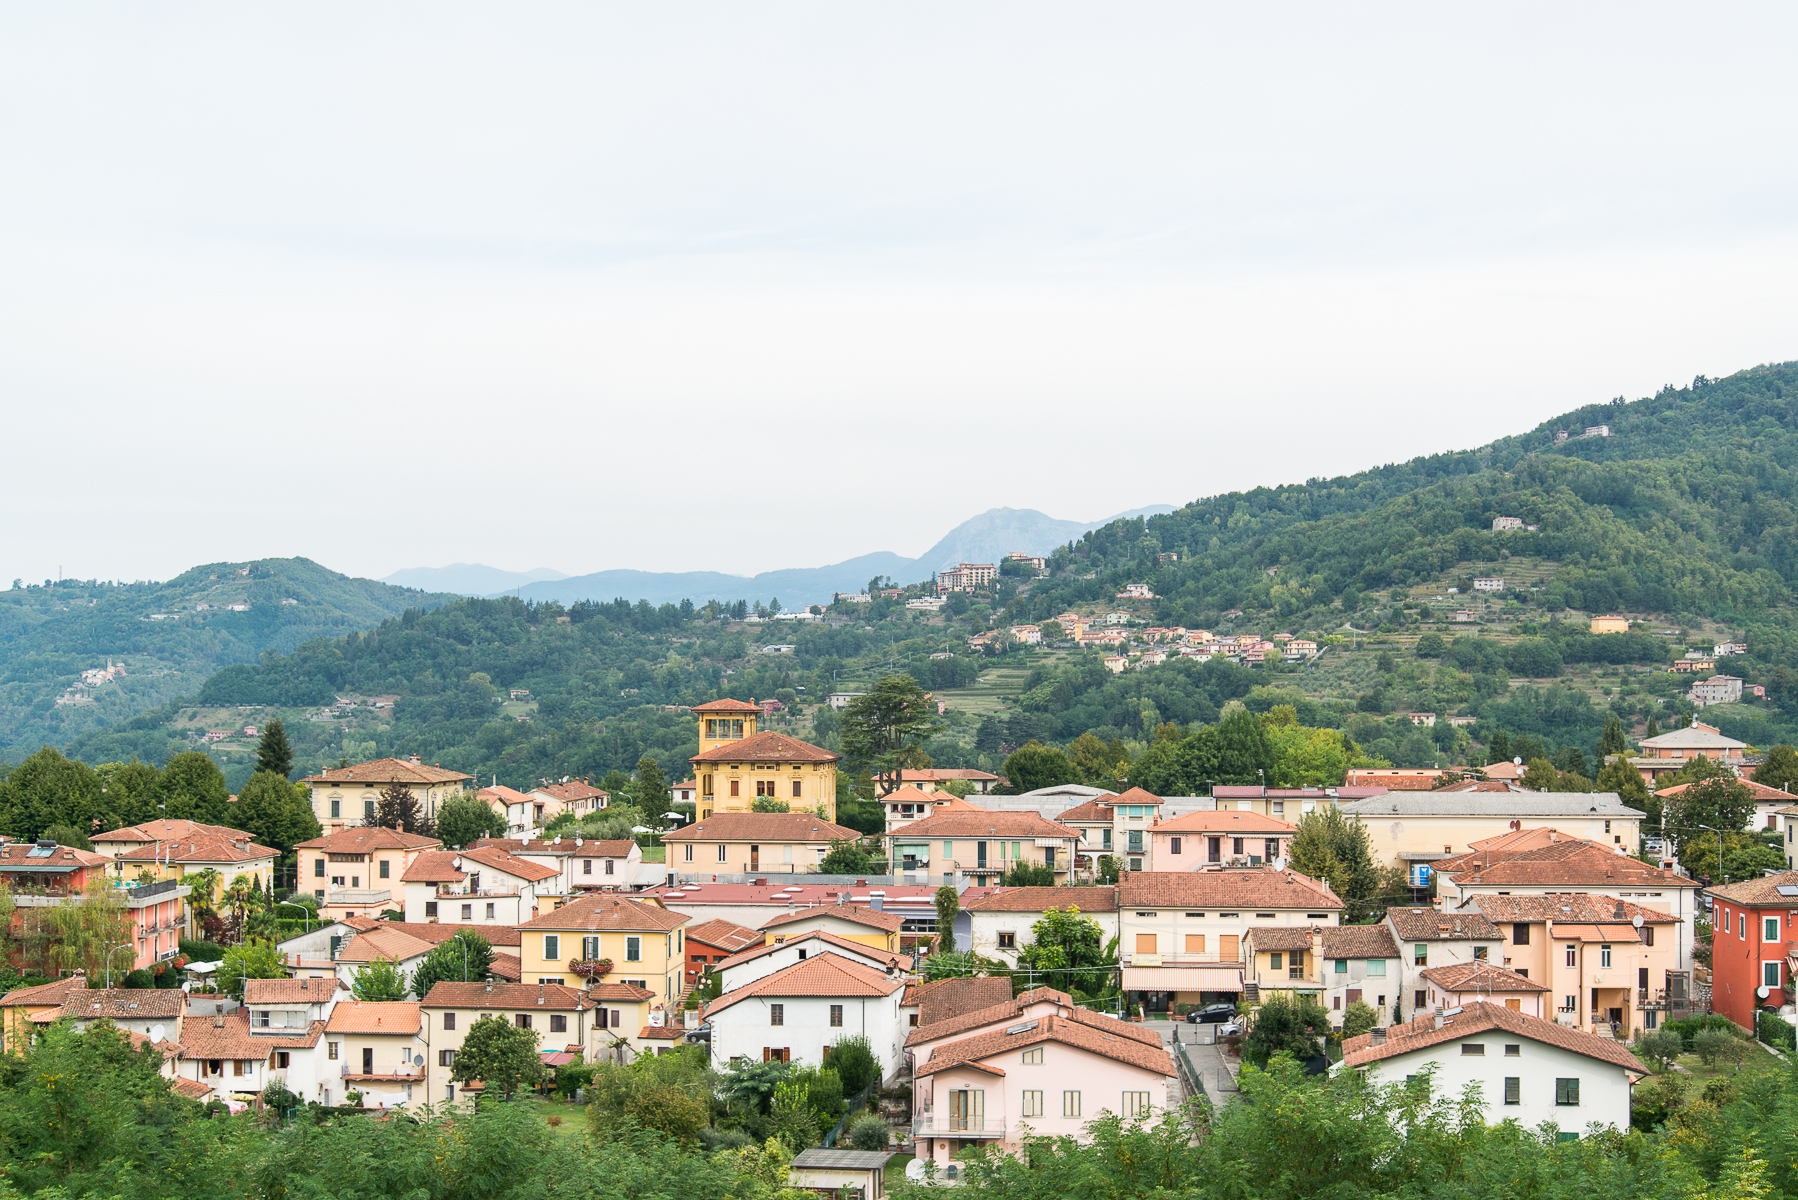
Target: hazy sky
739,287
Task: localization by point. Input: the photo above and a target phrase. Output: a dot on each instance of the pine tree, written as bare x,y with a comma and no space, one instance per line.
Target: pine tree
1498,748
273,754
1612,741
1653,729
397,808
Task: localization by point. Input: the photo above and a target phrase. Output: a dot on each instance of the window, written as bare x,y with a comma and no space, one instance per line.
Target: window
1376,967
384,874
796,792
948,849
1726,914
1008,941
552,945
777,1014
449,1022
1769,929
1648,935
446,1058
1070,1104
590,947
490,912
1275,961
608,866
337,808
836,1016
522,1020
558,1023
733,787
720,852
1136,1104
1482,953
1520,934
1173,846
430,908
1604,956
686,853
1569,1004
283,1059
1105,839
1473,1049
633,949
1342,966
1513,1089
1145,943
1567,1093
468,912
368,809
1195,943
1033,1057
1419,999
330,1049
1420,954
1033,1104
1513,1050
1770,973
1572,955
318,867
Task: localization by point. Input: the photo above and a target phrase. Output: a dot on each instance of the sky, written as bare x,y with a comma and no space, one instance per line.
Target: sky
741,287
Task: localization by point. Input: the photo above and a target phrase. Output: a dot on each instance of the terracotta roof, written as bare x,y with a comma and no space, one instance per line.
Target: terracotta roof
206,1037
561,846
574,789
369,1016
170,829
766,747
1516,840
193,1089
1568,908
454,994
998,822
727,706
383,943
1699,737
1010,1011
1481,1018
1480,977
511,864
946,999
938,774
819,975
503,794
1479,785
872,918
387,770
763,827
623,993
508,966
1359,941
50,994
434,866
1434,925
1761,791
125,1004
1764,890
591,914
1255,887
873,954
1280,937
1098,809
441,931
1228,822
660,1033
201,848
23,855
1567,863
361,839
620,848
1101,1040
1102,898
723,935
289,991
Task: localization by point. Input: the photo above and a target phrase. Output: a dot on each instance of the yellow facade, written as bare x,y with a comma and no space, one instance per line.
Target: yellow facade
827,922
1610,625
799,776
651,958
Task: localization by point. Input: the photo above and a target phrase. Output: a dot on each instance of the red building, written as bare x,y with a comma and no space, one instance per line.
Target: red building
713,942
1753,940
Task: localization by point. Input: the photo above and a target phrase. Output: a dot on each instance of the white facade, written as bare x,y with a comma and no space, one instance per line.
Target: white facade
747,1030
1373,981
786,954
1603,1088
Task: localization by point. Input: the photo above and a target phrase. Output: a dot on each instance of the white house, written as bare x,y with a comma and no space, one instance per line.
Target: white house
362,948
1529,1070
482,885
764,959
998,925
793,1014
1428,937
1360,962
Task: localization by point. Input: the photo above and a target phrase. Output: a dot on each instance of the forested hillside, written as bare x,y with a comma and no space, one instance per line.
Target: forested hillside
169,637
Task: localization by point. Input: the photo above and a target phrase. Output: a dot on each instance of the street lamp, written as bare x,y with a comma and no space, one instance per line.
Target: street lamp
302,908
110,951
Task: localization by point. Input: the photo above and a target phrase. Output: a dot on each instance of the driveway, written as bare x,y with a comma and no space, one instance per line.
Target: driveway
1206,1059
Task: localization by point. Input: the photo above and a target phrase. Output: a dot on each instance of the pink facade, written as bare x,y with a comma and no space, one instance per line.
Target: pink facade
1058,1094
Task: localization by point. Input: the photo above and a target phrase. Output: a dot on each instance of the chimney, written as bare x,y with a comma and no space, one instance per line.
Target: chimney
1379,1037
218,1016
1436,1019
490,987
302,985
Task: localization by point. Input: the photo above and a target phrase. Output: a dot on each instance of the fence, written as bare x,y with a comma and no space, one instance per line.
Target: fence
855,1105
1190,1074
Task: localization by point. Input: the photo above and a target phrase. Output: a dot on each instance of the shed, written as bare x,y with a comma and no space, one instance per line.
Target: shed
851,1173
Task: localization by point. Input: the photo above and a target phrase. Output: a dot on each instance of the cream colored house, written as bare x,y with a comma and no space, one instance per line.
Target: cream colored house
346,796
376,1050
752,843
1417,829
557,1015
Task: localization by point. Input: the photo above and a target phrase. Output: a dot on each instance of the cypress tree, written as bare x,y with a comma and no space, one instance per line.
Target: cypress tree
273,754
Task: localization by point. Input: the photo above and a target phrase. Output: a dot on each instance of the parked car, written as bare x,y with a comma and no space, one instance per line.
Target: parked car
1211,1014
702,1034
1230,1028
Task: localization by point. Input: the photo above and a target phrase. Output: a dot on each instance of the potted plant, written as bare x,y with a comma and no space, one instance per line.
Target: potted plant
593,968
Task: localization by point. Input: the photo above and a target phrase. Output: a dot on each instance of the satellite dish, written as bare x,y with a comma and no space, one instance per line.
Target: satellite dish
1762,991
1517,762
418,1060
1637,921
457,862
157,1033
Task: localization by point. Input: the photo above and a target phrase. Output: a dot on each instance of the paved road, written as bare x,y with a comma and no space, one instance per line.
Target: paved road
1207,1059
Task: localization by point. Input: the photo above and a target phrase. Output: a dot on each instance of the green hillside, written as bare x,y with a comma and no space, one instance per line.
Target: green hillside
169,637
1684,519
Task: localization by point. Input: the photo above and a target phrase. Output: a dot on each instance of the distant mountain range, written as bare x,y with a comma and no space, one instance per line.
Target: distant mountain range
985,538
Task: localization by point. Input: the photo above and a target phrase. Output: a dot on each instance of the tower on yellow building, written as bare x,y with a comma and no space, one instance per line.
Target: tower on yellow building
737,763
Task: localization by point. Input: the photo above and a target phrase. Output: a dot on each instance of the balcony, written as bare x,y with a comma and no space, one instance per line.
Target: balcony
932,1126
445,892
1182,960
357,897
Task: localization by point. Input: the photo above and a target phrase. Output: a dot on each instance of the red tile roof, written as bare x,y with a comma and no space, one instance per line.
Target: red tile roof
1098,809
456,994
1012,1010
511,864
1762,891
872,918
1227,822
1567,908
1103,1040
193,1089
819,975
441,931
507,966
1569,863
766,746
573,790
1100,898
1359,941
361,839
723,935
1255,887
171,829
369,1016
1761,791
872,954
1010,823
591,914
22,855
763,827
1434,925
946,999
1481,1018
201,848
134,1004
727,706
51,994
383,942
1281,937
289,991
1480,977
387,770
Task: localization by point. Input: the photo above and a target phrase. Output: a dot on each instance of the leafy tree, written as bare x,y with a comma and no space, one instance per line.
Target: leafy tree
193,787
769,804
1109,867
1720,802
67,835
397,808
465,958
380,979
464,820
1244,752
651,790
1358,1018
880,727
273,754
869,1132
1780,770
251,959
1431,645
846,858
1612,741
276,812
1034,765
499,1054
948,905
854,1062
1338,849
1619,777
1069,953
1027,874
1659,1047
1285,1024
1101,764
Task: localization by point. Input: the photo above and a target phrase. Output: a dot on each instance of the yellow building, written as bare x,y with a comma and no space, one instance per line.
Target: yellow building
347,796
871,927
736,765
1610,625
18,1006
645,943
1284,960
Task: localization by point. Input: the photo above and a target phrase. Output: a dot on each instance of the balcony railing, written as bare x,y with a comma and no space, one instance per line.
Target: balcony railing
932,1125
1183,960
444,892
360,897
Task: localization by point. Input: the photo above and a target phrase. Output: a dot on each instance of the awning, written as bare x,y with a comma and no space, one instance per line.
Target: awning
1183,979
1594,933
553,1058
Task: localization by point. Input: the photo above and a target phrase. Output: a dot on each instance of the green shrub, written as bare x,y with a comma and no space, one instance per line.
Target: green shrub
853,1061
1658,1047
1774,1030
1713,1044
571,1076
140,979
868,1132
197,951
1688,1027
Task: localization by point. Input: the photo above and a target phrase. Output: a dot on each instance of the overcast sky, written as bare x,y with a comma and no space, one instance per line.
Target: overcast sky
740,287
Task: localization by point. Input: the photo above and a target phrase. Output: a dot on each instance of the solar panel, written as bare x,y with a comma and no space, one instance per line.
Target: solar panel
41,851
1786,889
1026,1027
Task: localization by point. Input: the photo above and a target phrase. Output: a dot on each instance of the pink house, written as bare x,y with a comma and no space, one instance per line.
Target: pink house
1035,1066
1458,984
46,875
1219,836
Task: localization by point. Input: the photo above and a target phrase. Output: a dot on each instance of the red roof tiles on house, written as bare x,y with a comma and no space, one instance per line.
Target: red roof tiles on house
723,935
1101,1040
763,827
1008,823
369,1016
766,746
1480,977
361,839
592,914
1099,898
1262,887
387,770
819,975
1479,1018
872,918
